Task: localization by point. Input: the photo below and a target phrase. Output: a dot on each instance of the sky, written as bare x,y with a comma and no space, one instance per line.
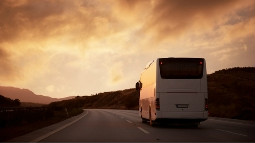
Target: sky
63,48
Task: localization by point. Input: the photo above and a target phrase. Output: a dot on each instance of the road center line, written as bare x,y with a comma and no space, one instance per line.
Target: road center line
58,129
231,132
143,130
129,121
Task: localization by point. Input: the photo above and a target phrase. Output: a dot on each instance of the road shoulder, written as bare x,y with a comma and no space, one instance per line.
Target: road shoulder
236,121
39,134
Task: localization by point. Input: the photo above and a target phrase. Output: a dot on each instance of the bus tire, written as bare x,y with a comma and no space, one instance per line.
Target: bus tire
143,119
195,125
150,119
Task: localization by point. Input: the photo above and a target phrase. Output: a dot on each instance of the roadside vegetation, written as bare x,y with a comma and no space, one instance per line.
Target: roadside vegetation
123,99
19,118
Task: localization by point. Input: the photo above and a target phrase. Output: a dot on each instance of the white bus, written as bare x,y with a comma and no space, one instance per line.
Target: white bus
174,89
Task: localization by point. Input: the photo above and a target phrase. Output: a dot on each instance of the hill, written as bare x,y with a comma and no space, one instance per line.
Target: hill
232,93
7,102
122,99
25,95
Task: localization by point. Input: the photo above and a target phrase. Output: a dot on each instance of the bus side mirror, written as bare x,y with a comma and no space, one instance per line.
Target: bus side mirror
138,86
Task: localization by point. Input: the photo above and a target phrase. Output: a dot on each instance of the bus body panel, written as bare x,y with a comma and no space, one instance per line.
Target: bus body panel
179,98
147,94
178,85
200,116
194,102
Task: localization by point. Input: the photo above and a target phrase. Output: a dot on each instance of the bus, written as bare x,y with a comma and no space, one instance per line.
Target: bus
174,90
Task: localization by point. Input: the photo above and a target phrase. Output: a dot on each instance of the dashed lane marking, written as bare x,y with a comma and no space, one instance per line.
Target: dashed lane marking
231,132
129,121
143,130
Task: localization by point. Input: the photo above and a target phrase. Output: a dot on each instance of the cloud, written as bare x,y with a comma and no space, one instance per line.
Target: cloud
4,62
16,20
71,21
34,30
8,71
116,72
172,19
50,88
239,30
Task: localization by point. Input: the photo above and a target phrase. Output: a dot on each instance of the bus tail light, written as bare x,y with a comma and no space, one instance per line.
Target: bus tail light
157,103
206,104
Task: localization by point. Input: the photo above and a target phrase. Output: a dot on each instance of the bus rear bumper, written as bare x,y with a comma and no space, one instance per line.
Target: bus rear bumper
168,120
182,116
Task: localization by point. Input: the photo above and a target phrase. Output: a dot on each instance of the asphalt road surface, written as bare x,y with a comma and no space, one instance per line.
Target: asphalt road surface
103,125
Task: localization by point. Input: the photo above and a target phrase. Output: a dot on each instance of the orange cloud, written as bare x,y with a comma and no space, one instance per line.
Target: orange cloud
116,72
7,70
172,19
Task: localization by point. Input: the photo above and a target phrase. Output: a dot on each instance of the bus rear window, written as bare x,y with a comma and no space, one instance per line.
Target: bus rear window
181,68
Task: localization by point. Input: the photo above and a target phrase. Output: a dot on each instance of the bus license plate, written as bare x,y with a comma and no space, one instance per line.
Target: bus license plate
182,105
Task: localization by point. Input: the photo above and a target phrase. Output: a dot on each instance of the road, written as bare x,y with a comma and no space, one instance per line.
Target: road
105,125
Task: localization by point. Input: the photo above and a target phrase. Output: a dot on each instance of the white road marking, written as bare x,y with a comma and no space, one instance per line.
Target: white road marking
231,132
129,121
232,122
143,130
57,130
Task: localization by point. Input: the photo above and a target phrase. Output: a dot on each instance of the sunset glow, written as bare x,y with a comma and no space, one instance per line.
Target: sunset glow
62,48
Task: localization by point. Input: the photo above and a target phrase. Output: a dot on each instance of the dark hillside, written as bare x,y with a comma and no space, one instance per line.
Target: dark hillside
7,102
232,93
122,99
126,99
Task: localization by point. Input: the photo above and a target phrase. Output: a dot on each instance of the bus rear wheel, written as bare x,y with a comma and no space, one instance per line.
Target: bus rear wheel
150,119
196,124
144,120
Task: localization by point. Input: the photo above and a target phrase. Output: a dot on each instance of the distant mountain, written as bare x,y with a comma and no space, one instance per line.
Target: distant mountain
25,95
